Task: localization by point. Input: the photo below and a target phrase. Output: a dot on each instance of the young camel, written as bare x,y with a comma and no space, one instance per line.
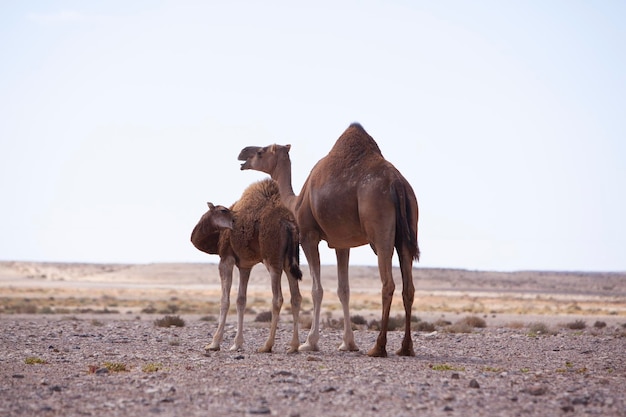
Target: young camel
257,228
352,197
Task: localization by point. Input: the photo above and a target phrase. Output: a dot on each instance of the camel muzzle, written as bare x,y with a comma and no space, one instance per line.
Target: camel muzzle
245,155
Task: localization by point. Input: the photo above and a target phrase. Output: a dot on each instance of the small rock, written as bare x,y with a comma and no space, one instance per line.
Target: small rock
102,371
455,375
313,359
535,390
259,411
239,357
474,384
18,376
448,408
283,373
568,408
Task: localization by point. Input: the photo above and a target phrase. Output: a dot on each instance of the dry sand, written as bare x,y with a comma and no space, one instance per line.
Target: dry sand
80,319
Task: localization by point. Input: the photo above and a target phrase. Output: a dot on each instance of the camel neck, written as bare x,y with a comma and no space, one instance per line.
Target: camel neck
282,176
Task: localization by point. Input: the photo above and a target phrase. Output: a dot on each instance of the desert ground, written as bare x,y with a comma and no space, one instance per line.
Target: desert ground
90,339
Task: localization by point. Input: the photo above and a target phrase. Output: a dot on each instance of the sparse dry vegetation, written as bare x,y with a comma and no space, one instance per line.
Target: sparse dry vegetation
152,367
576,325
33,360
264,317
170,321
539,329
115,366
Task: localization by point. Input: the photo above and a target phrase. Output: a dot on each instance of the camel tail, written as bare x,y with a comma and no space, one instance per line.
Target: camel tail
293,251
406,225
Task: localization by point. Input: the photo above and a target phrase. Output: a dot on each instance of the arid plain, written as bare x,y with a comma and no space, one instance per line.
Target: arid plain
538,343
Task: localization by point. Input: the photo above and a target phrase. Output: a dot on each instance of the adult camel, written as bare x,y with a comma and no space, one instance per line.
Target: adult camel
352,197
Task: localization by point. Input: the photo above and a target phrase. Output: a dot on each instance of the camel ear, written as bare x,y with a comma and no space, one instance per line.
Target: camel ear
288,147
273,148
211,206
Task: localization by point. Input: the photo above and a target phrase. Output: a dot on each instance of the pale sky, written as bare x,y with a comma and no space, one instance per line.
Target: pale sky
119,120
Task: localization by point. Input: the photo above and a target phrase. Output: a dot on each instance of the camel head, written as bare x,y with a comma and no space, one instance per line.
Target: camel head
221,217
263,158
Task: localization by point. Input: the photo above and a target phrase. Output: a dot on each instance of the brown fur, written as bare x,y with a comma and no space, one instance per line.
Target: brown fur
263,231
352,197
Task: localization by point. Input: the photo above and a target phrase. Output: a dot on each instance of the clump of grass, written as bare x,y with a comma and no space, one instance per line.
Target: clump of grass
515,325
599,325
115,366
474,321
208,318
169,321
264,317
332,323
466,325
395,323
538,329
576,325
446,367
358,320
152,367
170,309
33,360
458,327
423,326
149,310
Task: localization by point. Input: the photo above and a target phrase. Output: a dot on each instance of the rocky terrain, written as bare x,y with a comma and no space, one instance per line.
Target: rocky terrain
88,340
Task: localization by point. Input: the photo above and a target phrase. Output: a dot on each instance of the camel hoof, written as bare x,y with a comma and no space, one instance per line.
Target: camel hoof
405,352
377,352
308,348
212,348
293,349
350,347
236,348
265,349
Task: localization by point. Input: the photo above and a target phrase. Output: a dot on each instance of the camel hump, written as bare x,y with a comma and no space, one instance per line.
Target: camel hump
355,144
258,195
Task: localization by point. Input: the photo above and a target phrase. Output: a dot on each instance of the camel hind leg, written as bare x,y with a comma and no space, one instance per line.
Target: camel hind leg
311,251
244,276
408,295
343,291
277,303
226,279
384,268
296,302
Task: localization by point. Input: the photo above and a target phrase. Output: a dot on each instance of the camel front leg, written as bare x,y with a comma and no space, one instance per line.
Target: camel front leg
384,268
226,279
244,276
343,291
277,303
296,302
317,292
